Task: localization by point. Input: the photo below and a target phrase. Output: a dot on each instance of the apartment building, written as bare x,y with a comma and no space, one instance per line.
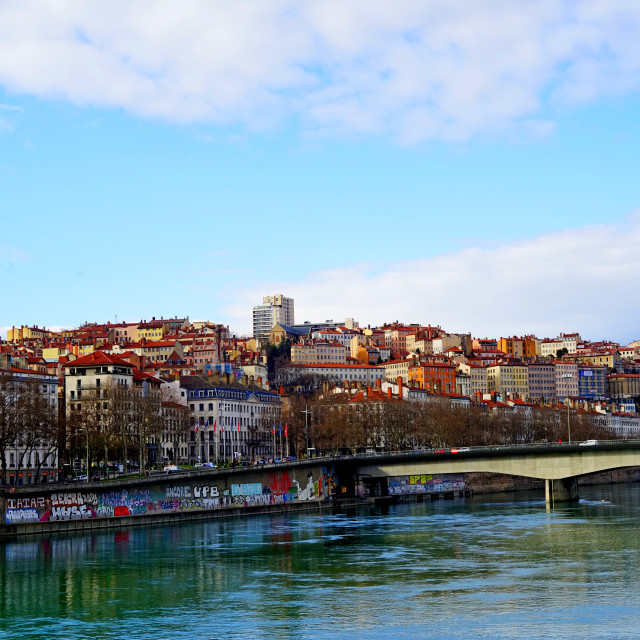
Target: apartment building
508,378
542,381
319,352
274,310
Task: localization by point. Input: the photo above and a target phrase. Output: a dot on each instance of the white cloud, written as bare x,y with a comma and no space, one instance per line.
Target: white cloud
415,70
576,280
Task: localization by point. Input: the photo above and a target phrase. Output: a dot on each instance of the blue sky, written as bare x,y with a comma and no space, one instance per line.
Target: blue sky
426,162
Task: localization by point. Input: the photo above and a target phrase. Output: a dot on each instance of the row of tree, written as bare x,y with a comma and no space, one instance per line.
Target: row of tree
29,433
112,423
335,423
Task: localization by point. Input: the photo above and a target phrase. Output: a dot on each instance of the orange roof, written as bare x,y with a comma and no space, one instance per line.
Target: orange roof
98,357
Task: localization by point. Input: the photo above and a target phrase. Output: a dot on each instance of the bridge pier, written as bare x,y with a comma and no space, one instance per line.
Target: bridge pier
559,491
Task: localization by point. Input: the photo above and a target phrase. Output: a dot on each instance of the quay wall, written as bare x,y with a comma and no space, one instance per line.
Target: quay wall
189,495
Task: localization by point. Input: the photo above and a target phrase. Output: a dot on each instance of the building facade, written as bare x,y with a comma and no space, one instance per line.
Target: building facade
274,310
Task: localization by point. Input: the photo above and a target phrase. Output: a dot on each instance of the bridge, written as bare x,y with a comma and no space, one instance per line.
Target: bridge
558,464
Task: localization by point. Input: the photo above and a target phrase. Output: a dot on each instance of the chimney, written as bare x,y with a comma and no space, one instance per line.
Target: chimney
399,387
379,383
259,382
281,392
389,393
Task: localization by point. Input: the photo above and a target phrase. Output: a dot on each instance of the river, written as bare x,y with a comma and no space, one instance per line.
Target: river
498,566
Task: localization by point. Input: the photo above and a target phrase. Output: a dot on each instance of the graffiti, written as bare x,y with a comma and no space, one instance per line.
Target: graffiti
26,503
12,516
247,489
408,485
277,489
205,492
138,502
190,505
169,505
179,492
309,492
73,512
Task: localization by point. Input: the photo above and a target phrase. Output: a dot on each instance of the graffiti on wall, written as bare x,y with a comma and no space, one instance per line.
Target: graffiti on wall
75,505
425,483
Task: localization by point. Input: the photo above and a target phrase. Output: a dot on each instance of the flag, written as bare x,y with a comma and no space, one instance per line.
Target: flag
206,424
285,429
280,430
238,425
274,429
197,426
214,425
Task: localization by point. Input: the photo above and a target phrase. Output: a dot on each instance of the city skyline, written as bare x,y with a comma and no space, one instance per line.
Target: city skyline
468,167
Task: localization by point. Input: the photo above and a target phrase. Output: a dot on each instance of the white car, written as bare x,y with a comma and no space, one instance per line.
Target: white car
171,467
589,443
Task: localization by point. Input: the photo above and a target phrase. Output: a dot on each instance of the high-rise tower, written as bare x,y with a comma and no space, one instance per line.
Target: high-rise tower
273,310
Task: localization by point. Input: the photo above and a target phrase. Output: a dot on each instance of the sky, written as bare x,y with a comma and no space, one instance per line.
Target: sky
472,165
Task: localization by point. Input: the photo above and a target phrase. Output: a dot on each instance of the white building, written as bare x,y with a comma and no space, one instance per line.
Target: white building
31,456
231,422
273,310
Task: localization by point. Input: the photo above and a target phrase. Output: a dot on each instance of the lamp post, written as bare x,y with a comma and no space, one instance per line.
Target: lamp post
86,430
307,413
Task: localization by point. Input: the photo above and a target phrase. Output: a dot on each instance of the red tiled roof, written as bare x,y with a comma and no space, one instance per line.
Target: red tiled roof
98,357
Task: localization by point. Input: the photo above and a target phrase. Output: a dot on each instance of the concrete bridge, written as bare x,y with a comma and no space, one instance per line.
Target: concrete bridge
558,464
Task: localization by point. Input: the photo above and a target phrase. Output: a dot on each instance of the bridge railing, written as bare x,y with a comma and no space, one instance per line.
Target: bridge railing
501,448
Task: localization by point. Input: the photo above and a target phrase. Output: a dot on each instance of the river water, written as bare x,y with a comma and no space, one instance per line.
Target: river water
499,566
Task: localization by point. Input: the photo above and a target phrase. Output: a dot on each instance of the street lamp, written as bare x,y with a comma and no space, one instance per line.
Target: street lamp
307,413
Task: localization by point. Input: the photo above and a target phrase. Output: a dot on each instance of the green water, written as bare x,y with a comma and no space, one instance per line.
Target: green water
488,567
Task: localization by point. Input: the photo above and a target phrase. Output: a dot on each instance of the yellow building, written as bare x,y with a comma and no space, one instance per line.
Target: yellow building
154,330
513,347
28,333
508,378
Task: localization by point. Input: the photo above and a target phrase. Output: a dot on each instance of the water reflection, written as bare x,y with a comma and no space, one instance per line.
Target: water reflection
490,566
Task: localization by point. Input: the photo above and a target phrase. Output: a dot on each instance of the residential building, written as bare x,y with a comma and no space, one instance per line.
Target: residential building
477,377
229,422
592,382
542,381
29,408
394,369
566,379
623,385
513,347
274,310
319,352
362,373
438,377
506,378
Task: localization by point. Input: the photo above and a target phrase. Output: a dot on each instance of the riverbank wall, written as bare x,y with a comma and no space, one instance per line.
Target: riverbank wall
168,498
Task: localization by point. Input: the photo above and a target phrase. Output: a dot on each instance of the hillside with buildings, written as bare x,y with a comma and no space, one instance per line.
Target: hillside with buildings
163,391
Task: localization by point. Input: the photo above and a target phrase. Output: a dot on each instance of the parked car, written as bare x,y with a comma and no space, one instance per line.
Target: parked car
589,443
209,465
171,467
460,450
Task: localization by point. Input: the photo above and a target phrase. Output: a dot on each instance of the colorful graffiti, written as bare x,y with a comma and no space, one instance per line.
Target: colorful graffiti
279,488
407,485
